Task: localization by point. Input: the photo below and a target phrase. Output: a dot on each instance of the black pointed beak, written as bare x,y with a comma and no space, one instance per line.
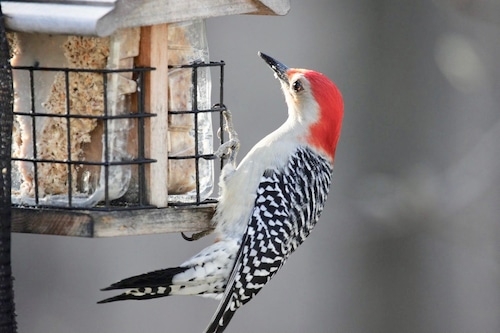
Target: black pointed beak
278,68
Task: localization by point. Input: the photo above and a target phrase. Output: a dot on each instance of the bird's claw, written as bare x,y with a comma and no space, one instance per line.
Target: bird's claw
196,235
230,148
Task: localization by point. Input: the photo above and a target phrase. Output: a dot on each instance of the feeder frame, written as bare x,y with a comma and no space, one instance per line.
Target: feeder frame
113,217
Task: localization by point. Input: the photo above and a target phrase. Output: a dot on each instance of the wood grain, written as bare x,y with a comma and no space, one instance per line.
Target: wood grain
112,223
154,53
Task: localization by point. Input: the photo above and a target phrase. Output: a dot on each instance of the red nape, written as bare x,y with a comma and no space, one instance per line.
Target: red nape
325,133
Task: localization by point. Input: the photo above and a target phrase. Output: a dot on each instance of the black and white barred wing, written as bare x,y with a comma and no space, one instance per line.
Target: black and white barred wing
288,205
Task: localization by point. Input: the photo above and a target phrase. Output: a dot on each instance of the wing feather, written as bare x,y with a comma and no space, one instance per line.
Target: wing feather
287,206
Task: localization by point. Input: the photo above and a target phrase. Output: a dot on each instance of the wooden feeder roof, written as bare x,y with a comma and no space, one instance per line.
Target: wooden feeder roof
103,17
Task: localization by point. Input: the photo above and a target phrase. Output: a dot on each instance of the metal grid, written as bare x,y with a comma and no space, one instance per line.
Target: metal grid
195,111
139,116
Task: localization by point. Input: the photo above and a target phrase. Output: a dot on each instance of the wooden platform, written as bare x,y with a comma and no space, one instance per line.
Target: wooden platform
112,223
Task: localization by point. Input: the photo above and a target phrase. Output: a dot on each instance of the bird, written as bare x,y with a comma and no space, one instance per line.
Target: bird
268,203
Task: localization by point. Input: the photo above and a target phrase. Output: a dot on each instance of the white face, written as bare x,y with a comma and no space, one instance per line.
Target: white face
301,104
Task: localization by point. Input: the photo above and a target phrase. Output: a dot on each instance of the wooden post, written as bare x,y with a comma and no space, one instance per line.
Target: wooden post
154,53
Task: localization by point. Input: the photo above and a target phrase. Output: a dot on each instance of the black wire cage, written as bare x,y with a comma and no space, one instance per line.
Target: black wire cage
105,169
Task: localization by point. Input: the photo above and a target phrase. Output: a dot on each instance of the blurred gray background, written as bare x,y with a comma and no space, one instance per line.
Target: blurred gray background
409,240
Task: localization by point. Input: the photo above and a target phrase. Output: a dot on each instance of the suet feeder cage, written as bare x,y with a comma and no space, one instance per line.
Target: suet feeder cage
113,114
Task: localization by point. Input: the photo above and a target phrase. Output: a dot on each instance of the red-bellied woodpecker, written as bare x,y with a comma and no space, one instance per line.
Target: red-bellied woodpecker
268,204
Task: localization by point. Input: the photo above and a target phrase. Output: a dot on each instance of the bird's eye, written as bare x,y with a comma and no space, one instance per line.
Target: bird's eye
297,86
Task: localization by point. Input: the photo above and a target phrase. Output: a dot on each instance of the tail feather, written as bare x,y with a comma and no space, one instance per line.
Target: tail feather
145,286
159,278
136,294
229,304
222,317
205,274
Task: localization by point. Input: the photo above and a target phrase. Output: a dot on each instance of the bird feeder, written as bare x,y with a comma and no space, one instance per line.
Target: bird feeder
113,114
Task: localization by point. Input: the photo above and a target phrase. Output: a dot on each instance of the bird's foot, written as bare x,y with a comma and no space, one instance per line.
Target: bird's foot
197,235
230,148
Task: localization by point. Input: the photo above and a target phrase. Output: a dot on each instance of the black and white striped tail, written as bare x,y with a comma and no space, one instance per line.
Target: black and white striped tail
145,286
